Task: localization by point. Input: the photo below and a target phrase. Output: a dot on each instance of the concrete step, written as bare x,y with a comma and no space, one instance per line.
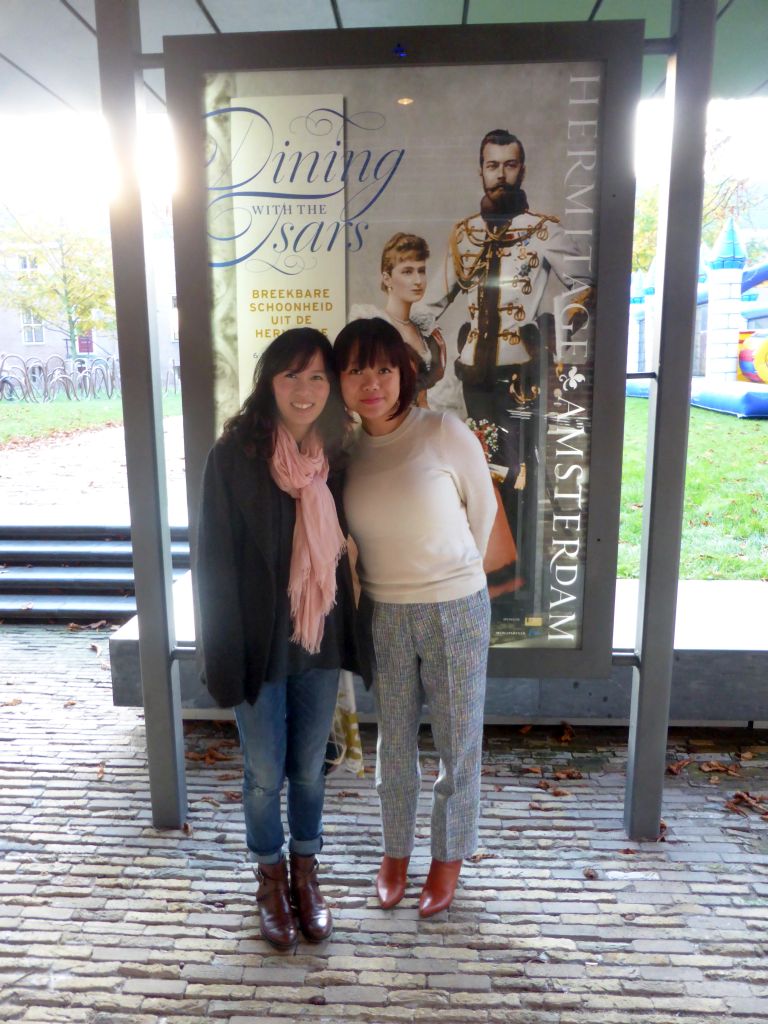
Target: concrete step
78,552
77,531
33,607
69,579
72,572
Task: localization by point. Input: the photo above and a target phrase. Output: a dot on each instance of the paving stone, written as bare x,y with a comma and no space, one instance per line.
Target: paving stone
155,986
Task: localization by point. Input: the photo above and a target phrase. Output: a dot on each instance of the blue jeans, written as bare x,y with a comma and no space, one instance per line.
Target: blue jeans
284,735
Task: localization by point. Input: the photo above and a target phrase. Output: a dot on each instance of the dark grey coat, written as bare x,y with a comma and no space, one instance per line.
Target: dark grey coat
235,577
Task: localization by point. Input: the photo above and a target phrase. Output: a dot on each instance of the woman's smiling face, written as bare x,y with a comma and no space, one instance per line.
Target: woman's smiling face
300,395
373,392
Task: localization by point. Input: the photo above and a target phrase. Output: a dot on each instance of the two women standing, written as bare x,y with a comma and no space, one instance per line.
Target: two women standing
276,605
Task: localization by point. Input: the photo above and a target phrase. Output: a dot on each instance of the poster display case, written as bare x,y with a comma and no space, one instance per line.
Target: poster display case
474,189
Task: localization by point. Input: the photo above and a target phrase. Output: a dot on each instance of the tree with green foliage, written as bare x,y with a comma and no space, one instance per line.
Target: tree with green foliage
646,228
58,276
729,197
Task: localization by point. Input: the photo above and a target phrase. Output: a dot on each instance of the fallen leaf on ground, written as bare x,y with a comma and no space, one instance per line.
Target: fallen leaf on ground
561,792
187,829
209,800
677,766
718,766
730,805
742,799
568,733
94,647
481,855
213,754
233,795
532,770
542,784
11,703
568,773
747,755
628,851
100,771
69,703
228,776
525,728
590,873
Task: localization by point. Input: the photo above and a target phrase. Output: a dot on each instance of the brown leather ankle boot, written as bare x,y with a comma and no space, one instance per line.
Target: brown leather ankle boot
392,880
277,923
315,918
439,887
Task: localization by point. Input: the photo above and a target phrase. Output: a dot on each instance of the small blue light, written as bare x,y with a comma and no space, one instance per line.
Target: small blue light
400,51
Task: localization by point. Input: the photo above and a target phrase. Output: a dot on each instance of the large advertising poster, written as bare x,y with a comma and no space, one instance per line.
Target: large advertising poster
461,204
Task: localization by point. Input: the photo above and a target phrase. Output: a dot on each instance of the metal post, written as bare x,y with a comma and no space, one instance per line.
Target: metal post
688,84
119,46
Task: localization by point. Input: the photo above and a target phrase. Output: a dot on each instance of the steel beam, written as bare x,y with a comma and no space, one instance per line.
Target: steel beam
688,85
119,47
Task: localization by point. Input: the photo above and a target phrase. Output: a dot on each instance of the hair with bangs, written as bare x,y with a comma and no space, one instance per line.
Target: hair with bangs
368,342
254,426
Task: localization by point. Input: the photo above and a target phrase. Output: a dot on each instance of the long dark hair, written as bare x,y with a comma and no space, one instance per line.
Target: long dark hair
377,340
254,426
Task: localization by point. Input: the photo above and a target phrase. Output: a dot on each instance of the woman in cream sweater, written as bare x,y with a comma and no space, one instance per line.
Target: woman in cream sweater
420,506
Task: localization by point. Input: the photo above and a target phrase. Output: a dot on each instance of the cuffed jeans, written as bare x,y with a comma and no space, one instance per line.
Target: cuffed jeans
284,736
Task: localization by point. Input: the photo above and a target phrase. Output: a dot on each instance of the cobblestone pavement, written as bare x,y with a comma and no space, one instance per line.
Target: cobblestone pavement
560,920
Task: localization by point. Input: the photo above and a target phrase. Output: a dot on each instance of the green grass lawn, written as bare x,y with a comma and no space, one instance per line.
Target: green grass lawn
29,420
725,517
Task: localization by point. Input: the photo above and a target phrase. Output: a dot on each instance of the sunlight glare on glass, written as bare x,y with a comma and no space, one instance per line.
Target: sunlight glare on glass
57,163
653,132
737,142
156,157
64,165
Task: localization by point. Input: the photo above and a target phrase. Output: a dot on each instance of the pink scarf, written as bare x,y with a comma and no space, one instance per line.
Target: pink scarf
318,542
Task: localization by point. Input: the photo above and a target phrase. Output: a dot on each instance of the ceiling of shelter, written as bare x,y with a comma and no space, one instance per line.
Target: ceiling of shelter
48,47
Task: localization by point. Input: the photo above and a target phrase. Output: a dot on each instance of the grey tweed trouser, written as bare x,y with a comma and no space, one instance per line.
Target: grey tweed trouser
435,652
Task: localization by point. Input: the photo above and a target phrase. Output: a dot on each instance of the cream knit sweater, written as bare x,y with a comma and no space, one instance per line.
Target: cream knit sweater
420,507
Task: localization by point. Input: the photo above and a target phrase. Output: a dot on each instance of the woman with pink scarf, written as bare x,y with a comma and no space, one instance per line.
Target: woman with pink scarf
276,611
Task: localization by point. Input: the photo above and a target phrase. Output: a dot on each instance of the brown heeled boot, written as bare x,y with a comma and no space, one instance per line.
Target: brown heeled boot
439,887
315,918
392,880
277,923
